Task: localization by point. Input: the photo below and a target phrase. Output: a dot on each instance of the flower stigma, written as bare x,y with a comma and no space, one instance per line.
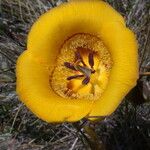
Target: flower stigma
82,69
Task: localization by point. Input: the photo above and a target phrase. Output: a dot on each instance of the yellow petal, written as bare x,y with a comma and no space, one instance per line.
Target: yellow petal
57,25
34,90
123,48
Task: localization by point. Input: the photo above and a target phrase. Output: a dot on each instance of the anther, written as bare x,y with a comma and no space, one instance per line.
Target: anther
86,80
91,59
74,77
69,65
79,58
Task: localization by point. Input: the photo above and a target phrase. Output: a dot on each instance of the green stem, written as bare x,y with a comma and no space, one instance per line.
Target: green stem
89,136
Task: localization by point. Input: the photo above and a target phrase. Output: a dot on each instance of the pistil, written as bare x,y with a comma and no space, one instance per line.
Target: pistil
84,70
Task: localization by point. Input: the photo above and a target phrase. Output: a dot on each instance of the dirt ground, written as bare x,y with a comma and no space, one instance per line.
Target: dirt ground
126,129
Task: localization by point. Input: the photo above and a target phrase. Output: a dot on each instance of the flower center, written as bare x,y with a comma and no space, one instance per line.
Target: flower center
82,69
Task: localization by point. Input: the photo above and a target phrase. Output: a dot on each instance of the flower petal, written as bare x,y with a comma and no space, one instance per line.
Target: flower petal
123,48
57,25
34,90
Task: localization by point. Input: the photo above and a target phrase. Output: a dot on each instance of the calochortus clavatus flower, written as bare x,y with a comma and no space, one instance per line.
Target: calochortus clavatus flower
81,61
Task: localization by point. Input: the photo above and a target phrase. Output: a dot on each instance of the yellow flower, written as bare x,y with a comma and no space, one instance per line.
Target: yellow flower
81,60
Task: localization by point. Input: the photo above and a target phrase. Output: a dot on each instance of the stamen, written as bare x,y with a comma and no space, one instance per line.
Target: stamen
93,71
83,69
75,76
86,71
69,65
86,80
79,58
91,60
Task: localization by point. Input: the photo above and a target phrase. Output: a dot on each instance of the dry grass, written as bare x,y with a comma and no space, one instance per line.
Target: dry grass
127,129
